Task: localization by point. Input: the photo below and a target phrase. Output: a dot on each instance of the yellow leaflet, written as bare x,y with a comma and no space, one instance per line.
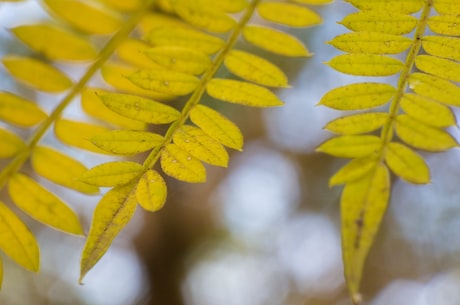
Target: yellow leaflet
203,16
217,126
230,6
84,17
445,24
139,108
17,242
422,136
201,146
42,205
164,81
358,96
166,5
358,123
313,2
132,51
151,191
179,59
351,146
243,93
37,74
18,111
115,75
111,215
60,169
447,7
55,43
78,134
362,207
288,14
275,41
177,163
10,144
186,38
92,105
127,142
437,66
112,173
152,21
353,170
374,21
435,88
255,69
371,42
124,5
366,64
446,47
400,6
406,163
427,110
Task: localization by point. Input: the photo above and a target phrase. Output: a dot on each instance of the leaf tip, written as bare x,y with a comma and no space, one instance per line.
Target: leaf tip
357,298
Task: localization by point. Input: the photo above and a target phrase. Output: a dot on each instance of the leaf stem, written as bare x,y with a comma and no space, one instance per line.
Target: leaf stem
195,98
15,165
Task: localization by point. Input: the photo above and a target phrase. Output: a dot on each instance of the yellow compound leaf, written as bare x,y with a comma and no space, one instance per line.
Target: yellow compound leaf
353,170
37,74
179,59
155,21
371,42
78,134
358,123
366,64
184,37
351,146
17,241
18,111
447,47
435,88
400,6
139,108
374,21
255,69
92,105
201,146
10,144
179,164
358,96
84,17
127,142
314,2
132,51
243,93
362,207
288,14
151,191
445,24
55,43
422,136
112,173
440,67
406,163
427,110
60,169
42,205
204,17
275,41
111,215
164,81
447,7
217,126
115,75
124,5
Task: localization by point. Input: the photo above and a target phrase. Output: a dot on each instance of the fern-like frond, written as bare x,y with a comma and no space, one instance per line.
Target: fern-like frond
179,55
418,112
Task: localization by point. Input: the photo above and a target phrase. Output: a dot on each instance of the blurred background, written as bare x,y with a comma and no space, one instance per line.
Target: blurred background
265,231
